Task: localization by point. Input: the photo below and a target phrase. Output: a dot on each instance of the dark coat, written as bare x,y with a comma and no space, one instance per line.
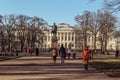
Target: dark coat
62,51
37,51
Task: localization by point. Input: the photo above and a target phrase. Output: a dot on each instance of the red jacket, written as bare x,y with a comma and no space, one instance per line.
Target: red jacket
86,54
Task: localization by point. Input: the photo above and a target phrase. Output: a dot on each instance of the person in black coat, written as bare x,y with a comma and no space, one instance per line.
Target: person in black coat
62,53
116,53
37,51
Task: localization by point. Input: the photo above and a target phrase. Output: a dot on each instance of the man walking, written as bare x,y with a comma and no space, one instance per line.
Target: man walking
37,51
62,53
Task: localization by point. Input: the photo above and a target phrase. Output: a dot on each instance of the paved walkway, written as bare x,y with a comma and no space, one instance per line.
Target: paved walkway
43,68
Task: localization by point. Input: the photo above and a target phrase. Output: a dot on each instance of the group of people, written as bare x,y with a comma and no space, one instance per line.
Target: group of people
29,51
62,54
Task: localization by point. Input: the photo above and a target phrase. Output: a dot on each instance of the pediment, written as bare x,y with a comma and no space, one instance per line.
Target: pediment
64,27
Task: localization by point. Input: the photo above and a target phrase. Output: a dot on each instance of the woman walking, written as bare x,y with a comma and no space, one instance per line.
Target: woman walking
85,54
54,55
69,52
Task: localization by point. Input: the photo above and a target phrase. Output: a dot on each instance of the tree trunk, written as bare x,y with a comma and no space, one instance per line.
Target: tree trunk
94,41
84,39
105,44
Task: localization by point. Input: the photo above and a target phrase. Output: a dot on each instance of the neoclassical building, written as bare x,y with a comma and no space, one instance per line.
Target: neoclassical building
66,35
69,35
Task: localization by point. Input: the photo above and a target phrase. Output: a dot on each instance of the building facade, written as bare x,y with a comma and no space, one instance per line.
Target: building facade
66,35
72,36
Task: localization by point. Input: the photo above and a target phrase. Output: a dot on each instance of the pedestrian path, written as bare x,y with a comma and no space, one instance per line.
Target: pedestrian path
43,68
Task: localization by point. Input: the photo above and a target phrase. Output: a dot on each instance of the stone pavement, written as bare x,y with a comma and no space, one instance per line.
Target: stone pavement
43,68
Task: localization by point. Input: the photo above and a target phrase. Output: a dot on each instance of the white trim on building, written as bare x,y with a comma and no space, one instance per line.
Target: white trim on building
67,35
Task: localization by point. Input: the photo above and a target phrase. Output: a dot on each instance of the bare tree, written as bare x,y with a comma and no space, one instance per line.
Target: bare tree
35,26
7,23
117,34
107,24
83,22
111,5
94,26
102,23
21,24
1,33
27,30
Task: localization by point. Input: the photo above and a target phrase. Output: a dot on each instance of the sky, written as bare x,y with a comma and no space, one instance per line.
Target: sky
58,11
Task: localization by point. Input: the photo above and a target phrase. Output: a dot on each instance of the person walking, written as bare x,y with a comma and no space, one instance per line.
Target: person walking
28,51
74,54
54,55
85,55
0,50
62,53
69,52
16,51
116,53
37,51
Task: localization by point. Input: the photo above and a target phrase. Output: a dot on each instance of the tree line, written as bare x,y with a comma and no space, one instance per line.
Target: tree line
25,28
29,29
101,24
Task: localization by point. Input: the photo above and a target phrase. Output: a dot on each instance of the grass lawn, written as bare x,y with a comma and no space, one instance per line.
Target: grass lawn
110,67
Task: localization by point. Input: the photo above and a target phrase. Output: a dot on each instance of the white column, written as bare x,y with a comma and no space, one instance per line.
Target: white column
70,36
47,39
67,36
67,39
60,36
74,40
63,36
50,39
74,36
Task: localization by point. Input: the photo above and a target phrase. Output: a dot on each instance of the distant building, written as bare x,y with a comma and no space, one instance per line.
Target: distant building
69,35
66,35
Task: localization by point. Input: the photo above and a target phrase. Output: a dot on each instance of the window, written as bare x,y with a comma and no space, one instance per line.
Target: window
58,38
65,38
45,38
48,38
58,44
65,45
45,46
62,38
72,45
72,34
72,38
69,38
